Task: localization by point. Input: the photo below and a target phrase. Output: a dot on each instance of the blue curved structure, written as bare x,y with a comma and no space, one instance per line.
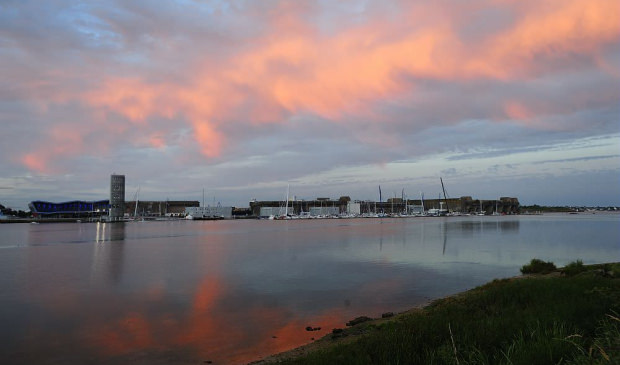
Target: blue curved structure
74,208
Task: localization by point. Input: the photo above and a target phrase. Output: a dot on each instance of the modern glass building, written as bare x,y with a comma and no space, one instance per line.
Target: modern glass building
70,209
117,197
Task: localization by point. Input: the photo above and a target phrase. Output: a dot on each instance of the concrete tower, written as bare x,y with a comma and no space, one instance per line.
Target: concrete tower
117,197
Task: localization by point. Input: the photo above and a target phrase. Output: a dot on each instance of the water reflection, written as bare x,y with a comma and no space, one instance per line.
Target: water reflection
109,231
468,228
232,292
108,252
499,227
445,237
443,231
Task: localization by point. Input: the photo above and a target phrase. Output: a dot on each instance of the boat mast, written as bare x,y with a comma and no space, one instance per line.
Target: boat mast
444,194
287,191
422,201
135,211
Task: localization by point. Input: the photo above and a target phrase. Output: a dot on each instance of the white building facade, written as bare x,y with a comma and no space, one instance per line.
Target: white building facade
209,212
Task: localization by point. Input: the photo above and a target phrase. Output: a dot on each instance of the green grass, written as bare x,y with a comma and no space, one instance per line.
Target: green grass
612,270
605,348
538,320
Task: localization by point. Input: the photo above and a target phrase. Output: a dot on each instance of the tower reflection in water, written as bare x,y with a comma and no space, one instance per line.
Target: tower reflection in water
108,254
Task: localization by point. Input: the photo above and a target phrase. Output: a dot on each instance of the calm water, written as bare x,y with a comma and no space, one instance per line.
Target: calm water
235,291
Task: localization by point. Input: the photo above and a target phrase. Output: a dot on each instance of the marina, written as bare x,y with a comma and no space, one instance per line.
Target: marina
214,182
116,209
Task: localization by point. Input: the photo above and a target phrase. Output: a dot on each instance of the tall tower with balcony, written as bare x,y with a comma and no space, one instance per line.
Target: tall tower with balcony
117,197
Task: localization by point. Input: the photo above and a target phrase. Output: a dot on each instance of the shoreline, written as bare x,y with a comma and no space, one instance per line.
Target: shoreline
161,219
350,334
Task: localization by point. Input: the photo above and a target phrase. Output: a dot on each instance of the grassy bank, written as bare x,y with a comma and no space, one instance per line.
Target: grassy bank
540,319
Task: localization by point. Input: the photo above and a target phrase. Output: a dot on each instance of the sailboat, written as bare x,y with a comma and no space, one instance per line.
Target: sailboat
496,212
382,214
445,198
403,198
285,216
135,210
481,212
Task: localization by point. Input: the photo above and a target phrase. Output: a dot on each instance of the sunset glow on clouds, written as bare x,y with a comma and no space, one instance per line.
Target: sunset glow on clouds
243,96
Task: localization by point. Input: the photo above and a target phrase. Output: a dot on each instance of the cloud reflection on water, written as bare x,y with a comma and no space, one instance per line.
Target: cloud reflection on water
232,292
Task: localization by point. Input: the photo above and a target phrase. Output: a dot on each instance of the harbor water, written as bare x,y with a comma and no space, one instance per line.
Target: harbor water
186,292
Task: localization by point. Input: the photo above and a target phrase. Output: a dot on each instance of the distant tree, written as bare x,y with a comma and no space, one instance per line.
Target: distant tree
539,208
23,214
15,213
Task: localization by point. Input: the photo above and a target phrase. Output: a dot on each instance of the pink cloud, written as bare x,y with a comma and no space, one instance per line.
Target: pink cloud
35,162
293,67
553,29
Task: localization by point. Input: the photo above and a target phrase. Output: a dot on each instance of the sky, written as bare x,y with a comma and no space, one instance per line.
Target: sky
241,98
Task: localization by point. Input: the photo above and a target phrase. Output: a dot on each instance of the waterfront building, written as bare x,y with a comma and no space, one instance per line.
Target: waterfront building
265,212
319,206
158,208
415,209
299,207
324,211
354,208
69,209
209,212
117,197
